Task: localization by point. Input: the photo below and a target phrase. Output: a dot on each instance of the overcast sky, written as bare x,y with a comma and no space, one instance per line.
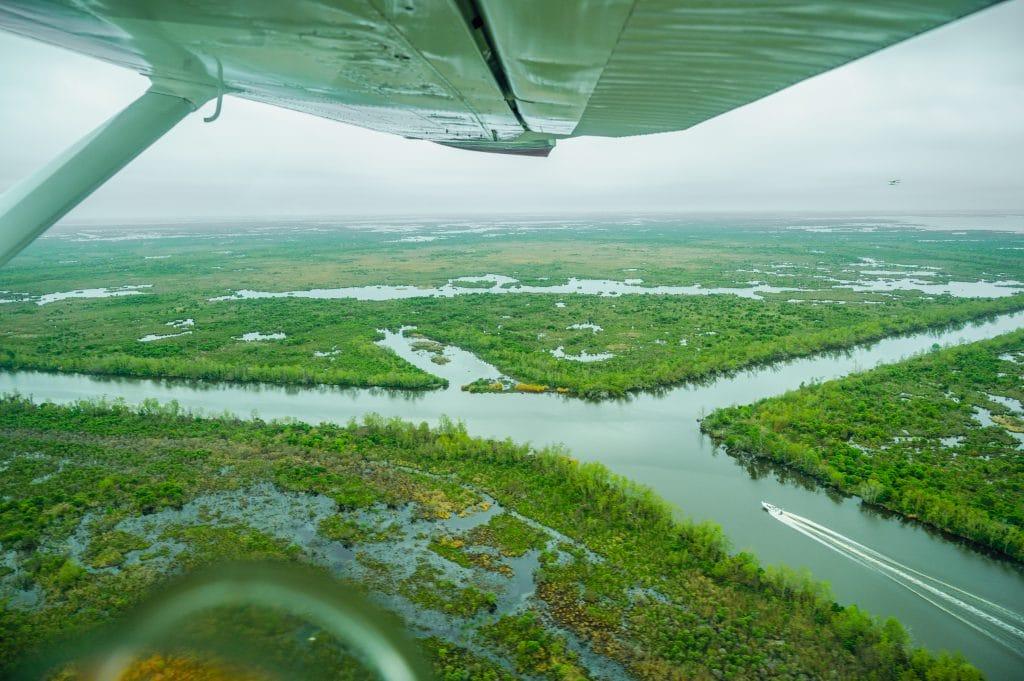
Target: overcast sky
944,112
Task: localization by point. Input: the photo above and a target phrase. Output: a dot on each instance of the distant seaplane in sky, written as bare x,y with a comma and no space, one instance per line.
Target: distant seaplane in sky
893,183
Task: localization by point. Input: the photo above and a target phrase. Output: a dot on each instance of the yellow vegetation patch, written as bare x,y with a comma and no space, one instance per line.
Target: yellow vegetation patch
1012,424
435,504
160,668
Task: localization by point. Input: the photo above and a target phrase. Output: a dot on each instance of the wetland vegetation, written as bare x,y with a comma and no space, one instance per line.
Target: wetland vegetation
505,561
585,572
937,438
831,290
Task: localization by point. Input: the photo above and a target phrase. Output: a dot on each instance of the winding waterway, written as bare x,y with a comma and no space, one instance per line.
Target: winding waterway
656,440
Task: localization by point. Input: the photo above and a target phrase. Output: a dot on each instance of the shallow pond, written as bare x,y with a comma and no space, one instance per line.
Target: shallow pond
583,356
656,440
105,292
254,336
957,289
157,336
500,284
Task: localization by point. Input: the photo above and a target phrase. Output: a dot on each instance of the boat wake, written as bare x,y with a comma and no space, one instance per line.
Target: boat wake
995,621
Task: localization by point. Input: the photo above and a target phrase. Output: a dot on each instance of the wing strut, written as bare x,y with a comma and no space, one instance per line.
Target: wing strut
31,206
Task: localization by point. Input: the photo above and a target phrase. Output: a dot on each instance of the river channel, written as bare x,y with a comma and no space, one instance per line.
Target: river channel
656,440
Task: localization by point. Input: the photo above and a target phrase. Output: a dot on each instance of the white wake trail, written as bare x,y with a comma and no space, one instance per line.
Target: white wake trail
860,561
946,597
896,565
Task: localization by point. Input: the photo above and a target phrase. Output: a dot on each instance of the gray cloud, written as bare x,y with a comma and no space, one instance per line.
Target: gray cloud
943,112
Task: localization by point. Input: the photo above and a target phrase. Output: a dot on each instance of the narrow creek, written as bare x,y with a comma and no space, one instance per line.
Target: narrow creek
656,440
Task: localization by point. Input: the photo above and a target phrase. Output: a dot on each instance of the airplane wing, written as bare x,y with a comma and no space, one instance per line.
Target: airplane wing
510,76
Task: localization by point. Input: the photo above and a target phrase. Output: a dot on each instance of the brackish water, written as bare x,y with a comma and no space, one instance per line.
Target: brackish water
656,440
